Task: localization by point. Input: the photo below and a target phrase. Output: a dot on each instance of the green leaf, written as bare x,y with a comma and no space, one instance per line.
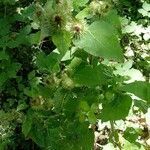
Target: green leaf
91,117
27,124
45,91
42,62
84,13
9,71
113,18
9,2
13,69
146,6
101,40
70,107
3,78
130,146
79,3
84,106
47,62
22,106
86,137
72,67
62,40
89,76
142,105
79,136
131,135
52,138
38,134
46,135
33,92
35,38
4,27
138,88
28,12
3,55
117,109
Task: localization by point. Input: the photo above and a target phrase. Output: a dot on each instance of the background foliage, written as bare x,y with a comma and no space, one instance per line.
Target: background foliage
67,68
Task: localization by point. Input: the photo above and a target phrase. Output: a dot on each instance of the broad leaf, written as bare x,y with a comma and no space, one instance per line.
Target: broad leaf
101,40
84,106
79,3
91,117
4,27
13,69
27,124
89,76
142,105
9,70
112,18
3,78
84,13
62,40
46,133
131,135
47,62
117,109
79,136
85,137
3,55
35,38
138,88
38,134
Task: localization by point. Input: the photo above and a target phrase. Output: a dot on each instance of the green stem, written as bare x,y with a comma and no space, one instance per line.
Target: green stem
5,11
114,138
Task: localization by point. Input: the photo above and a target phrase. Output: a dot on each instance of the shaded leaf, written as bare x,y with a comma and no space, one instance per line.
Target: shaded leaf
47,62
27,124
117,109
89,76
3,55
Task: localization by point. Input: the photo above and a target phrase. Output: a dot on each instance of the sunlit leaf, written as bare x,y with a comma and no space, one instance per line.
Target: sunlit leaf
101,40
